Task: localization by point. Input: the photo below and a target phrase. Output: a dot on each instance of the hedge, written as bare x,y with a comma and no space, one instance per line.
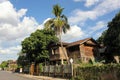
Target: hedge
103,72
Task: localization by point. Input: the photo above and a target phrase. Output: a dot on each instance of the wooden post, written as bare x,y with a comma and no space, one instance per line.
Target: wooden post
32,69
37,69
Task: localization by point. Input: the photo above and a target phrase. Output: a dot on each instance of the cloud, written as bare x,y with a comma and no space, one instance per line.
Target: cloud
74,33
88,3
10,32
103,8
80,16
41,26
91,2
2,1
9,53
96,30
10,50
99,25
77,33
21,12
9,14
14,27
15,24
107,6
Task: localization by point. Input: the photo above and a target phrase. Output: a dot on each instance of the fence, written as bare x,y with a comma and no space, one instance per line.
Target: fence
57,71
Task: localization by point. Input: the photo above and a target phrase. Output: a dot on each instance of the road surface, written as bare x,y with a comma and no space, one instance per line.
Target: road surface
4,75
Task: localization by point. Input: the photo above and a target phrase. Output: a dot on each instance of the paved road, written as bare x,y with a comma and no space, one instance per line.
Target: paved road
12,76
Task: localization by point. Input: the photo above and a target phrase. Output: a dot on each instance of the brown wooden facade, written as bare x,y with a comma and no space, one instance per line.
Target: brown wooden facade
83,50
58,54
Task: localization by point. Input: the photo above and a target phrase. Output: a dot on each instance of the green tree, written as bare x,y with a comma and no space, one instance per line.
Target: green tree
112,37
4,64
35,46
22,61
100,40
59,24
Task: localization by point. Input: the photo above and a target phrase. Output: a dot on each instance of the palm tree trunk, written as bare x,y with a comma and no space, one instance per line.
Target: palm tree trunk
65,54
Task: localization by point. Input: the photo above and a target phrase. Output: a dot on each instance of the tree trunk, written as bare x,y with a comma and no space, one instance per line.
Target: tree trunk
65,54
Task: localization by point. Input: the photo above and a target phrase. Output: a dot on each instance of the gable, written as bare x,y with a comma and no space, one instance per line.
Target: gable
88,41
91,42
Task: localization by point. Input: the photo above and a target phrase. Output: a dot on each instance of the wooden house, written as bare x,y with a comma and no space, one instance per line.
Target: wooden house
12,65
58,54
83,50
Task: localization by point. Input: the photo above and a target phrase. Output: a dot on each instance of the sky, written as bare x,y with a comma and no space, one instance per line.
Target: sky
19,18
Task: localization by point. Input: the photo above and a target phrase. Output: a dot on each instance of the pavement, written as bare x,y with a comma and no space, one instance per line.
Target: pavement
41,77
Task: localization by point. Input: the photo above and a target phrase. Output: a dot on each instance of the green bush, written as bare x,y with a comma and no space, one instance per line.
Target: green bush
97,72
41,67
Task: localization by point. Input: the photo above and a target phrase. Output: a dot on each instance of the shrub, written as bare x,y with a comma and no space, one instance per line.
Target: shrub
41,67
98,72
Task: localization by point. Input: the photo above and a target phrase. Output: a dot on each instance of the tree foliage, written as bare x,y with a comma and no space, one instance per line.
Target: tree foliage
35,46
60,23
22,61
4,64
112,37
100,40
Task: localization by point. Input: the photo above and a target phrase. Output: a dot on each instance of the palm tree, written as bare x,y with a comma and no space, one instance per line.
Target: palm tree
59,24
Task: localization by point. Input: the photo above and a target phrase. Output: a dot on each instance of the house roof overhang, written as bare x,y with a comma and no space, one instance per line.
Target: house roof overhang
82,42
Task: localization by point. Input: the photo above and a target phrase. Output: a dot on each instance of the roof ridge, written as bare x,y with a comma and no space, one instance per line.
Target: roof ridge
79,42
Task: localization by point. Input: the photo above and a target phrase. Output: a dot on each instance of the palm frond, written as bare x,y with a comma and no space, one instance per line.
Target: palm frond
65,28
64,18
57,10
58,24
48,24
